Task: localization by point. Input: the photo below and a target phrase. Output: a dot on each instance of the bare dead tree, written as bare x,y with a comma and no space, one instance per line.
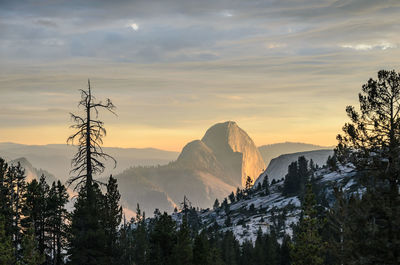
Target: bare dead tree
89,159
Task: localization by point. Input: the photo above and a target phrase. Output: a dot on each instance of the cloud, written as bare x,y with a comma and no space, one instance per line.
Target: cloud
46,22
276,45
200,61
227,13
367,47
134,26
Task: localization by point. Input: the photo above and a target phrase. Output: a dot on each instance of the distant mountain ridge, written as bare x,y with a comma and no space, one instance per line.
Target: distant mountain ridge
271,151
56,158
278,167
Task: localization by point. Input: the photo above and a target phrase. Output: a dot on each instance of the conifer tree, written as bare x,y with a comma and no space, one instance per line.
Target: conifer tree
140,239
291,181
162,241
249,184
308,247
30,254
57,221
5,196
36,211
201,250
232,197
6,246
230,248
87,243
183,250
216,204
285,251
371,143
87,235
265,185
259,253
112,218
15,183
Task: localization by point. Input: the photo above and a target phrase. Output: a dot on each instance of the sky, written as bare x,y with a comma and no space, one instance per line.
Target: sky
284,70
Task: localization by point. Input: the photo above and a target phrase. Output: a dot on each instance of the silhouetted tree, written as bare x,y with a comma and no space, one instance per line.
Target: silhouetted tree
371,142
112,219
89,136
265,185
88,236
6,246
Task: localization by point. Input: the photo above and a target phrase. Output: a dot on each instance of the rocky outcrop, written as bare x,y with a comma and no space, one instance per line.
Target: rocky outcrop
235,150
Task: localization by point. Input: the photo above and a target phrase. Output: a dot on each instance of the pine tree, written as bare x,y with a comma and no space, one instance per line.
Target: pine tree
290,185
140,240
259,252
88,235
232,197
247,253
36,211
6,247
126,244
87,241
15,183
249,184
201,250
230,249
30,254
285,251
57,221
216,204
265,185
183,250
308,247
371,143
162,241
112,219
5,197
303,174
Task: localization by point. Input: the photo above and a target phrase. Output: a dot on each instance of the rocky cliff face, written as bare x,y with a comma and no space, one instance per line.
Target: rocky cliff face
235,150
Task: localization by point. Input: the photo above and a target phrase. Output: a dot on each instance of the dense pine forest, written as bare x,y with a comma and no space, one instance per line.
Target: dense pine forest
36,228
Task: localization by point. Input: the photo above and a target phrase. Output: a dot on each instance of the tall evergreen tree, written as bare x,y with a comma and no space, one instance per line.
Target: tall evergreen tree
30,254
15,184
36,211
290,185
308,247
265,185
162,241
112,219
183,250
371,142
87,241
57,221
6,246
201,250
87,244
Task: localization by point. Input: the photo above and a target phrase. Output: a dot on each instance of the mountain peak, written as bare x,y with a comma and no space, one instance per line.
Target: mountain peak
235,150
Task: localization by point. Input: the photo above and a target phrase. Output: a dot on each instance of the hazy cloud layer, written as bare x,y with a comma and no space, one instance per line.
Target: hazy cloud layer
284,70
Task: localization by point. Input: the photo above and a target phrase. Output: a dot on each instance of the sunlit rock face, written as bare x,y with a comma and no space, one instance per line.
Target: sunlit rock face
205,170
236,151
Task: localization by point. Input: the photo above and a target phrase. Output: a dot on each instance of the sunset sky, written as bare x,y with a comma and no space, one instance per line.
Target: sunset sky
284,70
